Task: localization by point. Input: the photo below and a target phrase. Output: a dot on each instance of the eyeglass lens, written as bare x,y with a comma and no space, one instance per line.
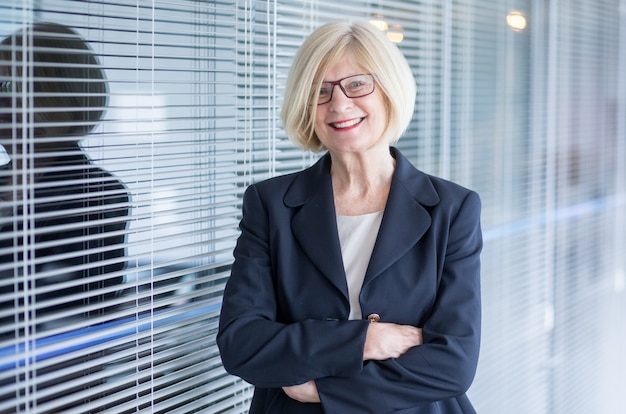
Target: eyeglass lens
355,86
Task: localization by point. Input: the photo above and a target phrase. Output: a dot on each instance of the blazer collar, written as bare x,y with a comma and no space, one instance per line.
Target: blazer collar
406,217
315,181
314,226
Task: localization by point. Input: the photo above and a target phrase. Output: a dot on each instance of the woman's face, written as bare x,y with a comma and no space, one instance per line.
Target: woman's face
350,124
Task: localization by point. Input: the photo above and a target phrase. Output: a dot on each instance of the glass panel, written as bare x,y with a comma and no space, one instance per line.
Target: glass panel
120,205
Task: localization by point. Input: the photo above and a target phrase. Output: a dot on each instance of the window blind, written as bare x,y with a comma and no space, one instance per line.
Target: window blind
127,144
545,99
120,247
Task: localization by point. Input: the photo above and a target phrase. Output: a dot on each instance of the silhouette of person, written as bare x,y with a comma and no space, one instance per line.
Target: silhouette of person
62,218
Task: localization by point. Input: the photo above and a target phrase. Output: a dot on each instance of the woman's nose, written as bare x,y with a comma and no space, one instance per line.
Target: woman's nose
339,100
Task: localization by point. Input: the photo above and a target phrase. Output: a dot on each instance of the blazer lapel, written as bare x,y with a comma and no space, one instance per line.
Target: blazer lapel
405,219
314,225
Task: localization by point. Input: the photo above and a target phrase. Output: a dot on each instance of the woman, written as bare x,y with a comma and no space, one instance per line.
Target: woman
355,286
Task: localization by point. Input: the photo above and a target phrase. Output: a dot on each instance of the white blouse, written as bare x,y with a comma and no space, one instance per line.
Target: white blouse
357,235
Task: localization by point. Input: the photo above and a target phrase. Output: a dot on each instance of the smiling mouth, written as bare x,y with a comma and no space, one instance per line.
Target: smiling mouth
346,124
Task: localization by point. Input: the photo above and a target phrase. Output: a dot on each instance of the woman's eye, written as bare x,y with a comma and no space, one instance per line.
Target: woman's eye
355,85
324,91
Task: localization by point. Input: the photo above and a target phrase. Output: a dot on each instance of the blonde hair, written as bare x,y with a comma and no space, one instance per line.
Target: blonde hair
65,74
373,52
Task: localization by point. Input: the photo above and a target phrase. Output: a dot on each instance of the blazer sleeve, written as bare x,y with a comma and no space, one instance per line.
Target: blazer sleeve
444,366
253,344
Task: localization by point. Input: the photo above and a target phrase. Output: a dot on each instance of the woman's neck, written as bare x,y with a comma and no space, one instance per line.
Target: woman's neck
361,182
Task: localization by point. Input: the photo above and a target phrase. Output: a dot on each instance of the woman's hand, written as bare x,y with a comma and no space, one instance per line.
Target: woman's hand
383,341
305,393
389,340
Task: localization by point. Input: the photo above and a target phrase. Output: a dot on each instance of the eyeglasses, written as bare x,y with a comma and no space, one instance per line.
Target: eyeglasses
355,86
5,86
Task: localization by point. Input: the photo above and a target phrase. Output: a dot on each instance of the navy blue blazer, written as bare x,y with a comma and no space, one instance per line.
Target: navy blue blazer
284,317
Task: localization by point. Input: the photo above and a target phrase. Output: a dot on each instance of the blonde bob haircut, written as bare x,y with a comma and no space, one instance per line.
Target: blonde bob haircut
373,52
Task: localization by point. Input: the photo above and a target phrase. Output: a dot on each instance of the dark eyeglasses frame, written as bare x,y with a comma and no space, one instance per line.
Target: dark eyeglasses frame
338,83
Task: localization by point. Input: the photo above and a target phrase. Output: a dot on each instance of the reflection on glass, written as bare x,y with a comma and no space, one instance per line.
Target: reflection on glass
62,219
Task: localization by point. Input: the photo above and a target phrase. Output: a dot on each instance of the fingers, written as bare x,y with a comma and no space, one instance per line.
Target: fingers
388,340
306,393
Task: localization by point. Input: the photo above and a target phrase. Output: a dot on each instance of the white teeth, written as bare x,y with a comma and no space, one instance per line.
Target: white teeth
347,123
